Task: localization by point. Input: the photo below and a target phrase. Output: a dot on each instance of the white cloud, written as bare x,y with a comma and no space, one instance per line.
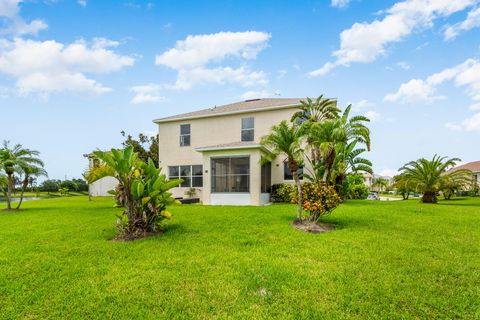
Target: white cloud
365,42
83,3
471,124
49,66
360,105
404,65
472,21
386,172
148,93
16,25
373,115
475,107
193,58
466,74
258,94
413,91
340,3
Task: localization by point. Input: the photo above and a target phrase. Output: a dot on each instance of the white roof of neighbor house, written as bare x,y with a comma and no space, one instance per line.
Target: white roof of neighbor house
253,105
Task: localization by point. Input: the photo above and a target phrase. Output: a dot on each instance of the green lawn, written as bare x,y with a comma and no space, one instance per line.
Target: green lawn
44,194
397,259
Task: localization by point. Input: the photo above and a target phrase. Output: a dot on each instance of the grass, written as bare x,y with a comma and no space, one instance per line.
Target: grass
386,260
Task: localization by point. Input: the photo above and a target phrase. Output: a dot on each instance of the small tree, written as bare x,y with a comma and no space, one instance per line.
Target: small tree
69,185
455,181
286,139
19,161
50,185
404,185
144,191
427,175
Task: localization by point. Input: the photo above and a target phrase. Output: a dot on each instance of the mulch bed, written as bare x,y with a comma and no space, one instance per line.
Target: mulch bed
137,236
313,227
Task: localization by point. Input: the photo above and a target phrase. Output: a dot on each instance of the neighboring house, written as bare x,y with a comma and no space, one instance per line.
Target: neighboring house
100,187
472,166
218,151
370,179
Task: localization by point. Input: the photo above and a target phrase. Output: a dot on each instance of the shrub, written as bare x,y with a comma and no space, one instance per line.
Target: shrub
357,191
69,184
63,192
282,192
50,185
318,199
354,187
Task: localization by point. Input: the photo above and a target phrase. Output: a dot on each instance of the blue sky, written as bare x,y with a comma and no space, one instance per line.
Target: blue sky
73,74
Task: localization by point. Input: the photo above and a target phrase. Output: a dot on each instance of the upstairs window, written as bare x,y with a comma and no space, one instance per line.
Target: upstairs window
184,135
287,174
248,131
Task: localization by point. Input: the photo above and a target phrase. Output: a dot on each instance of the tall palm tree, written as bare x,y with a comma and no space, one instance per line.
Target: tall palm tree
311,112
334,135
18,158
348,160
287,139
427,175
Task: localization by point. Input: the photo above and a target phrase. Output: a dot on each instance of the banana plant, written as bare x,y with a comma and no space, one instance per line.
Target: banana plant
143,188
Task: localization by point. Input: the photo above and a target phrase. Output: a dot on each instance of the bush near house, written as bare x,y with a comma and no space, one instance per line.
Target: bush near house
318,199
282,192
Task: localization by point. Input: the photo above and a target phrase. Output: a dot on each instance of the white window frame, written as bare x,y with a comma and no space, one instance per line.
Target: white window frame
248,129
190,176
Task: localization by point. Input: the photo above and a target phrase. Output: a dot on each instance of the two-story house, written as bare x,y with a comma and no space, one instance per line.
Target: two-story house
217,151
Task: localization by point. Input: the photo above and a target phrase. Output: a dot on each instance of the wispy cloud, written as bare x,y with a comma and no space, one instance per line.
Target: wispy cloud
466,74
16,25
339,3
399,21
472,21
149,93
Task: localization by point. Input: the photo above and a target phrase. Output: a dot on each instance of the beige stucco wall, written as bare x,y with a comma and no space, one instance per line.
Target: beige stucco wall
214,131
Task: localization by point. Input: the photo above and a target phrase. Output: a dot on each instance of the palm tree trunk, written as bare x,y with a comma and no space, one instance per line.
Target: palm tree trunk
24,186
429,197
9,191
299,195
328,165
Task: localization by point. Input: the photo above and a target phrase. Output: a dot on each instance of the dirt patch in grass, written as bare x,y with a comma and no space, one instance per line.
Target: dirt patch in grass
137,236
313,227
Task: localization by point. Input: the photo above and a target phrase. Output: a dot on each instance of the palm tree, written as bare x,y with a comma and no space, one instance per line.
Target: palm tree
404,185
287,139
427,175
311,112
455,181
332,136
18,159
29,172
380,183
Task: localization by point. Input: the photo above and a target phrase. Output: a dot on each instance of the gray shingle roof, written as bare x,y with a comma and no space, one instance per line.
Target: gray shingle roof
237,107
